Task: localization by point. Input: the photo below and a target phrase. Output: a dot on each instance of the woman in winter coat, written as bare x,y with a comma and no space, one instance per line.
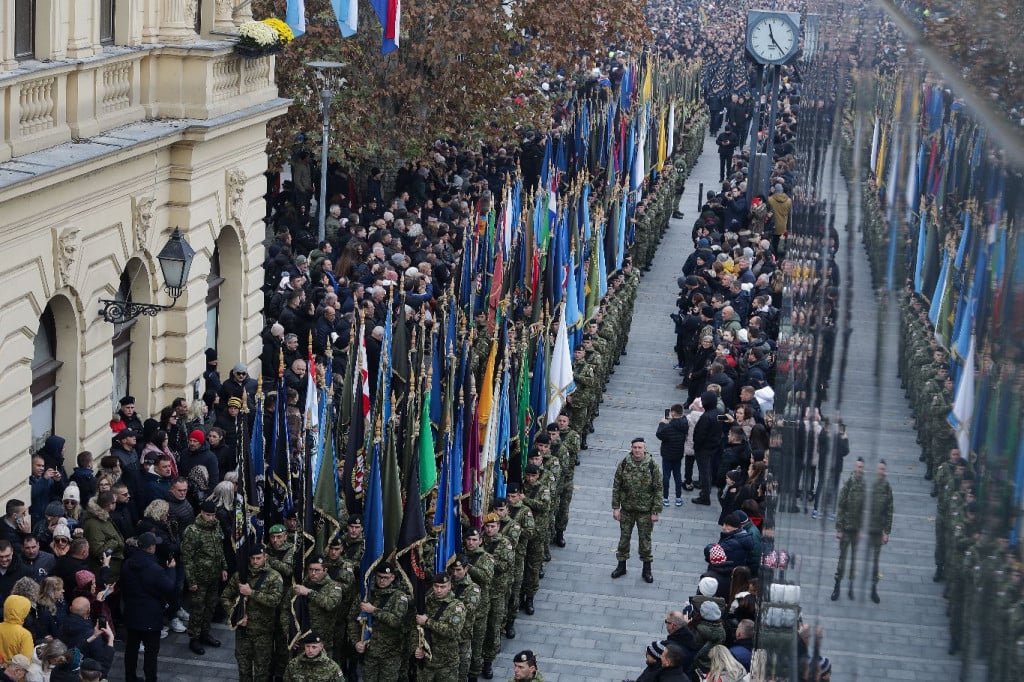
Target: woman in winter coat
710,631
51,609
723,667
102,534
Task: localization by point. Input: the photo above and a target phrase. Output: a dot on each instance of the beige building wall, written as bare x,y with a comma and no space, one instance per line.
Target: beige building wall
101,156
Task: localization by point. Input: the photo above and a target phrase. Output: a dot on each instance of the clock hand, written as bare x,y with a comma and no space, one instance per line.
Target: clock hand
774,42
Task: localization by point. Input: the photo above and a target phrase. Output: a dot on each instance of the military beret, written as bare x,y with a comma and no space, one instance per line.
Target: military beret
588,337
492,518
542,438
355,520
384,568
440,579
312,638
461,561
277,528
525,656
315,559
472,532
336,541
500,502
552,427
531,469
257,549
514,487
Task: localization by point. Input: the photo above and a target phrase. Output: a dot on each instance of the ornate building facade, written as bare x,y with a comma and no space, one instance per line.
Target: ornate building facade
121,120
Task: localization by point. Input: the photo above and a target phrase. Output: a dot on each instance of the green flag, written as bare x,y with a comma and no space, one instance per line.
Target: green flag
428,462
391,492
326,501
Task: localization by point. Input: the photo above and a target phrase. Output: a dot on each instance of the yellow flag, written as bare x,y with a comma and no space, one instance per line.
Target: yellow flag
487,390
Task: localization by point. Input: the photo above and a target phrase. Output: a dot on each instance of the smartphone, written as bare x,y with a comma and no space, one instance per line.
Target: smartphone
723,417
667,413
108,552
101,623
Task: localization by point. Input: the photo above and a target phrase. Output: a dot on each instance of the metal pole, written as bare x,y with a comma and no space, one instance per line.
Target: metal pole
700,197
325,107
770,142
755,125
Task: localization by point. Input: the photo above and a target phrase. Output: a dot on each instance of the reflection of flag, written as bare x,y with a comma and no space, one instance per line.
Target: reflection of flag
560,379
347,14
295,16
963,406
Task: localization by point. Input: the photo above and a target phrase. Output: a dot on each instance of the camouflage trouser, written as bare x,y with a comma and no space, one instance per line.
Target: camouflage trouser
579,419
564,499
201,605
479,635
382,665
847,544
941,529
465,655
495,619
253,651
512,605
875,543
534,560
644,529
440,668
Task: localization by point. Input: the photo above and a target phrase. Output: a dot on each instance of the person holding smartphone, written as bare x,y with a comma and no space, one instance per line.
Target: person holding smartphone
672,432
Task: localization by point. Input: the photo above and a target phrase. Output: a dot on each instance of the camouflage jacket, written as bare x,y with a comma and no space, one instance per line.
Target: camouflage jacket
851,504
202,552
261,605
637,485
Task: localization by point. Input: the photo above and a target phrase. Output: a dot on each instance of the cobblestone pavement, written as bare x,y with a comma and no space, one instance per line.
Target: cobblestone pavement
589,627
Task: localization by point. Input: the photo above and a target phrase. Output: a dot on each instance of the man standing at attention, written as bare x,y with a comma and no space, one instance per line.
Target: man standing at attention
636,501
848,520
879,523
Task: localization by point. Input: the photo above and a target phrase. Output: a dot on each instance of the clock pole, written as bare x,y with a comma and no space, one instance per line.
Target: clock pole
769,146
755,101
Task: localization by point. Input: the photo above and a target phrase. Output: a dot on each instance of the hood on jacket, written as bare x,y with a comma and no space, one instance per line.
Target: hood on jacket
16,609
96,510
52,451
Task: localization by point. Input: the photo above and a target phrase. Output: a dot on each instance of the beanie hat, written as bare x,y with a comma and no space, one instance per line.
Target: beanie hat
72,492
716,555
198,435
62,530
655,649
277,329
55,508
709,611
707,586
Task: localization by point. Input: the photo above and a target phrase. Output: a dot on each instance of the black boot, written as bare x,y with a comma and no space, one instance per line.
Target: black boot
646,574
471,678
583,445
849,590
874,594
835,591
528,606
510,631
487,672
937,578
620,570
559,539
196,647
547,554
540,574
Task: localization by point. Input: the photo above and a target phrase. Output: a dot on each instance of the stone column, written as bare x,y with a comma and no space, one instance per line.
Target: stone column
80,31
243,13
177,22
223,20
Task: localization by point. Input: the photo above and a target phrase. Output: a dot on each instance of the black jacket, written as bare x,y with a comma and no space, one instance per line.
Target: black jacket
707,434
145,587
75,631
672,435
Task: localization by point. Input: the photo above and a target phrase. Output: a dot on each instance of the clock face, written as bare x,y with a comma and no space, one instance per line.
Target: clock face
772,39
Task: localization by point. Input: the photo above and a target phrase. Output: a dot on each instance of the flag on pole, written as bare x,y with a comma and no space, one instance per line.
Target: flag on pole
560,379
295,16
963,406
389,14
347,14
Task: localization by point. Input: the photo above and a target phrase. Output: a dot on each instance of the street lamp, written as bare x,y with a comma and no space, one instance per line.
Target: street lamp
175,261
328,78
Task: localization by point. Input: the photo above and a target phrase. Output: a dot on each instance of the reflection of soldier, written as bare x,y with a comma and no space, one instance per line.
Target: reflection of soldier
848,521
254,638
879,523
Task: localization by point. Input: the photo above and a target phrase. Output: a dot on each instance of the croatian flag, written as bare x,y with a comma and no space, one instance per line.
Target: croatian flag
295,16
347,14
389,14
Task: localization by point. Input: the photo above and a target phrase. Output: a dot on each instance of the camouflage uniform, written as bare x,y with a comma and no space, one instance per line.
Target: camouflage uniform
636,493
469,593
538,499
503,553
283,561
848,521
254,642
324,599
879,521
202,552
481,570
390,620
443,629
517,527
567,462
319,668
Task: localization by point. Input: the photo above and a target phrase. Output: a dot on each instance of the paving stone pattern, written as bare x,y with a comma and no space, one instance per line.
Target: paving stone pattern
589,627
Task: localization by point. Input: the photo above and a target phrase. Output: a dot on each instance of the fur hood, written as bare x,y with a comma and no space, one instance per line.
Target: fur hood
96,511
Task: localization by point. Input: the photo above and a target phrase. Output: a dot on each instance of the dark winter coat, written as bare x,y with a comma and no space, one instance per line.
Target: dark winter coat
672,435
145,587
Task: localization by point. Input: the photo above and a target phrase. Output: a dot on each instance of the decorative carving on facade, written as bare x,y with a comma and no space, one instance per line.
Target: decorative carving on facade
67,251
235,182
191,8
142,219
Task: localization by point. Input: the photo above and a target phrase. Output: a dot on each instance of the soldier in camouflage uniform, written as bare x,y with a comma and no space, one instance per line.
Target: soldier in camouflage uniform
388,606
481,570
260,597
569,438
324,597
563,495
584,398
538,499
342,572
503,553
551,474
313,664
352,545
281,557
945,479
202,552
442,625
517,525
469,593
524,668
879,523
848,521
636,501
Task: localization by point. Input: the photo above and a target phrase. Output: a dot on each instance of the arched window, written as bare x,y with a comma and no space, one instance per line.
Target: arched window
122,343
24,29
213,282
45,366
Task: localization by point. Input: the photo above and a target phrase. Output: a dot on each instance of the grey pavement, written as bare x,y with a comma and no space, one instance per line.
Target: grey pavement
590,627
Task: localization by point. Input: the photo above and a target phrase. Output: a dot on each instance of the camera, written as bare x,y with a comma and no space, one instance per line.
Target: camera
101,623
108,552
667,412
723,417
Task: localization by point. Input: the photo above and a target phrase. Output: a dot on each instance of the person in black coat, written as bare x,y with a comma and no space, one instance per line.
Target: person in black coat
699,365
79,632
145,586
672,432
199,454
735,455
707,445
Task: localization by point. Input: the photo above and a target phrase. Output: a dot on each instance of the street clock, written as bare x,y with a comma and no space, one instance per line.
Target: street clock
773,37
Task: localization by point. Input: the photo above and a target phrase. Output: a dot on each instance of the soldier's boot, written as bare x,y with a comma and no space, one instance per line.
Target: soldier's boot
559,539
510,631
577,459
540,574
528,606
646,574
935,490
874,593
583,443
849,590
487,672
471,678
547,553
196,647
939,576
620,570
835,590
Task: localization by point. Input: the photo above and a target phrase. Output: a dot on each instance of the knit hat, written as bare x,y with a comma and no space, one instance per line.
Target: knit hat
707,586
72,493
62,530
55,508
240,367
655,649
84,577
716,555
743,336
197,434
709,611
235,402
